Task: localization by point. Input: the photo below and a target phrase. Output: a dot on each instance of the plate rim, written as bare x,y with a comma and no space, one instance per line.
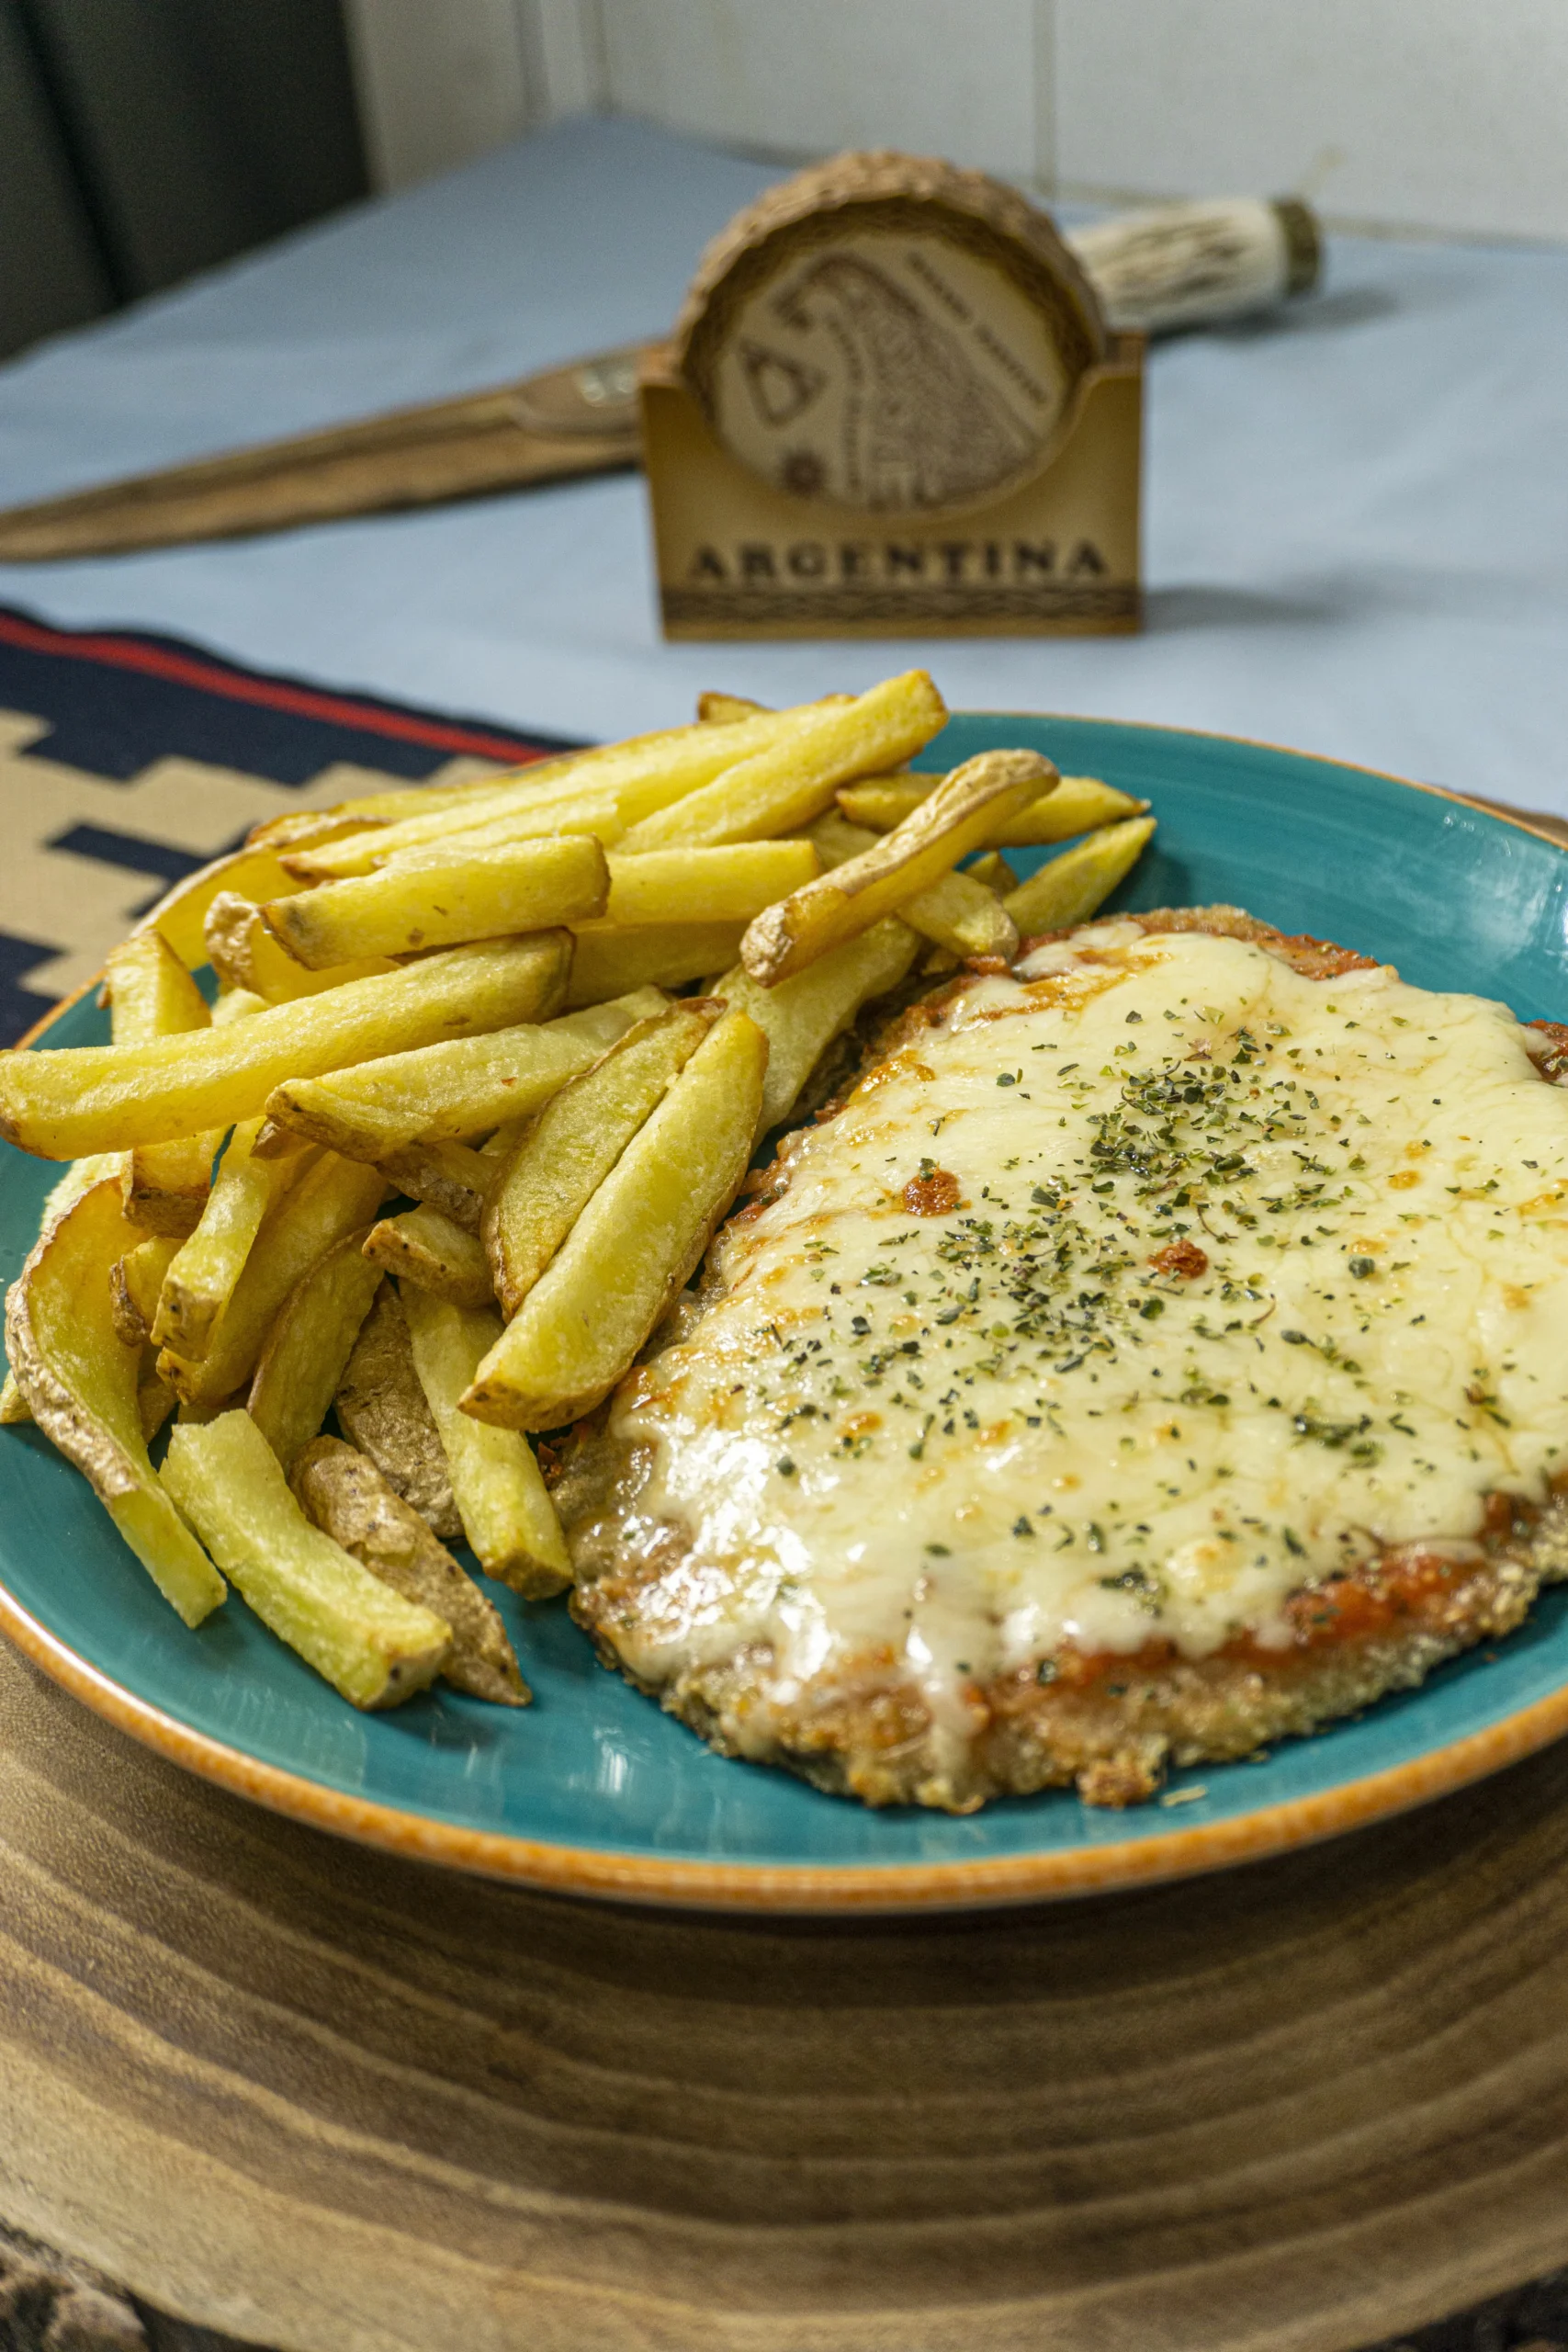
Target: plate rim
823,1888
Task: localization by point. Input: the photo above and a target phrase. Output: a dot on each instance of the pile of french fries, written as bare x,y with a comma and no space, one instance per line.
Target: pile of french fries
446,1145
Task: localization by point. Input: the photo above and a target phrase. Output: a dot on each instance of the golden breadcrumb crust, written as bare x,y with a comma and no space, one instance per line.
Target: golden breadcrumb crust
1111,1723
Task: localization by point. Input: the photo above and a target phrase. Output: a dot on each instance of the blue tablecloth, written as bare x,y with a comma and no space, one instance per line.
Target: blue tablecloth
1356,513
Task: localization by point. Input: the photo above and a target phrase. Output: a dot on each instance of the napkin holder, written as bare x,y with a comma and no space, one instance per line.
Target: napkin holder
857,352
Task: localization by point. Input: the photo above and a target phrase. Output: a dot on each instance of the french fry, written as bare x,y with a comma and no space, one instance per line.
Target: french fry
149,991
392,806
434,1093
180,914
449,1177
245,953
440,899
135,1282
895,868
79,1177
165,1186
344,1495
81,1385
682,885
564,1155
381,1406
435,1253
635,1244
781,789
800,1018
607,791
332,1198
507,1514
714,709
62,1104
236,1004
156,1400
608,963
1069,889
992,871
306,1351
297,826
150,994
368,1642
957,911
607,1018
1077,805
204,1269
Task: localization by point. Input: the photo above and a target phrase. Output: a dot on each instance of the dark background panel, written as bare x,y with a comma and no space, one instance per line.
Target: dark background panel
144,140
51,269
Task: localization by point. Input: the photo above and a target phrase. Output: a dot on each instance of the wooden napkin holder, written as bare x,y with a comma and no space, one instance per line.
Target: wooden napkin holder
891,408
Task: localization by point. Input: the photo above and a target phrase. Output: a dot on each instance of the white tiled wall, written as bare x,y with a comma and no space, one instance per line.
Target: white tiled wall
442,80
1439,115
800,77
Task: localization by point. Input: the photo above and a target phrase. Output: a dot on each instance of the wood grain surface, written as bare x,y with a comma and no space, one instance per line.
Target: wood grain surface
334,2102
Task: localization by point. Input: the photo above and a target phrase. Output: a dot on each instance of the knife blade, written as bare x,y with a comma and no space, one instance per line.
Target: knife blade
579,419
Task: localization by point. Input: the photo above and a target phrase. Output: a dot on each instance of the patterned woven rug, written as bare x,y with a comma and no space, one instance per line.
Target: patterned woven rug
127,761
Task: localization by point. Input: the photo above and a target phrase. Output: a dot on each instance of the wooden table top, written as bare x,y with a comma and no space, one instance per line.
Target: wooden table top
326,2099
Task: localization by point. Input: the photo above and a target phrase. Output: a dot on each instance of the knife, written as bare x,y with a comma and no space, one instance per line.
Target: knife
580,419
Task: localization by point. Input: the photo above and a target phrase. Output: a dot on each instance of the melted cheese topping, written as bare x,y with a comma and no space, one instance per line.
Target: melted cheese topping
951,1442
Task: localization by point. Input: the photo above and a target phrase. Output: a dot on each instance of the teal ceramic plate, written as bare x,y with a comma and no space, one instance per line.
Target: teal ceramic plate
592,1789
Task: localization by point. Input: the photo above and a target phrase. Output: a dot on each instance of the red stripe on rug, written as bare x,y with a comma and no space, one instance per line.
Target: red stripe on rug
301,702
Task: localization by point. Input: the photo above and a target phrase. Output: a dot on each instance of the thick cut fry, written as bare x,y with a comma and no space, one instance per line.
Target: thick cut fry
381,1406
151,995
76,1099
156,1400
135,1282
332,1198
715,708
236,1004
800,1018
635,1244
149,991
435,1094
605,963
181,914
204,1269
1077,805
440,899
344,1495
565,1154
607,791
992,871
308,1349
957,913
155,996
600,1023
781,789
451,1177
81,1385
390,806
507,1514
435,1253
245,953
368,1642
895,868
79,1177
1070,887
729,885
